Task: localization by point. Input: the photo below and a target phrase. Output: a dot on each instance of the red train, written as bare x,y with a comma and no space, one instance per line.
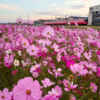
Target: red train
64,22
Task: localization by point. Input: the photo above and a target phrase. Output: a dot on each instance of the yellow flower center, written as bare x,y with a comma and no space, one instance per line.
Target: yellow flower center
32,50
24,43
48,32
28,92
71,77
3,97
91,87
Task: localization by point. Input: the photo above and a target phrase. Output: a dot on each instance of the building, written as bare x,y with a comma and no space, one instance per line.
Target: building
94,15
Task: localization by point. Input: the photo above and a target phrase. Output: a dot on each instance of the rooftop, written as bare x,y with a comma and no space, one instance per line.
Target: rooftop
95,6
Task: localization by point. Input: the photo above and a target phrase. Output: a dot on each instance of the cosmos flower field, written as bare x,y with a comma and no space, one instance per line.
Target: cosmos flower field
49,63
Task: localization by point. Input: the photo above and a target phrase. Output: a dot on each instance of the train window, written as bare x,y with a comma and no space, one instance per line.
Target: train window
96,12
86,20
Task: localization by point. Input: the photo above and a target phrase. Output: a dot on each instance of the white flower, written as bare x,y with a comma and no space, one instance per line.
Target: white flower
59,69
45,63
58,57
47,82
9,51
19,53
55,47
23,63
16,62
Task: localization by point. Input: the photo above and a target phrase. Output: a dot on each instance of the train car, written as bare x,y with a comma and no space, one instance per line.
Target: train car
78,22
67,22
56,23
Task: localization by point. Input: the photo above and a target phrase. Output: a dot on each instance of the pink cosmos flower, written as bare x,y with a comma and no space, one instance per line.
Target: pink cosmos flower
69,85
25,43
75,68
92,67
98,44
72,97
5,95
77,52
44,43
1,46
32,50
69,63
35,70
7,46
27,89
19,21
42,53
88,55
57,72
0,31
8,60
98,72
98,52
93,87
56,91
69,60
48,32
50,97
14,72
64,58
47,83
79,69
35,74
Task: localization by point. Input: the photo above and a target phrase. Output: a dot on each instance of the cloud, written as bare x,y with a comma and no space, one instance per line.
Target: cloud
47,13
71,7
9,12
54,11
49,10
77,6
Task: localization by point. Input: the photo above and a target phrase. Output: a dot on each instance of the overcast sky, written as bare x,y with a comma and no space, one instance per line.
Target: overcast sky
37,9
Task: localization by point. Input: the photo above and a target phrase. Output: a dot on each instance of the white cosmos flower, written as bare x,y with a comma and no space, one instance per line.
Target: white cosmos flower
19,53
9,51
16,62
